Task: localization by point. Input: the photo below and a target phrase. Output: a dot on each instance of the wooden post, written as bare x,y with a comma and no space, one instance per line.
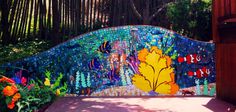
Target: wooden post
224,35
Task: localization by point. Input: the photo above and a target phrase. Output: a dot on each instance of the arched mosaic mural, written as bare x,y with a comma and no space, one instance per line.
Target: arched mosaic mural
126,61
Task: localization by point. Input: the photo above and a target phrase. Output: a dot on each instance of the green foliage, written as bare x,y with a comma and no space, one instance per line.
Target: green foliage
191,18
63,89
48,75
21,50
34,95
35,98
40,94
57,82
25,104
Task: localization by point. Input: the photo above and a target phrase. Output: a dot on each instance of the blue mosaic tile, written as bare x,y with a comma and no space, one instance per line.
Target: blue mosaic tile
106,60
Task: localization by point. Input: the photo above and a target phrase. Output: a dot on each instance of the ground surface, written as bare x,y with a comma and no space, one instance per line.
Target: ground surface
141,104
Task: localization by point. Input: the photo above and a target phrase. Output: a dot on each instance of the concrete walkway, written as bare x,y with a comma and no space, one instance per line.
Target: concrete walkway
141,104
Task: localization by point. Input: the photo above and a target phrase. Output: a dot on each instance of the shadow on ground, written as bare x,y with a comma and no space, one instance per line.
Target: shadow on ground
216,105
140,104
69,104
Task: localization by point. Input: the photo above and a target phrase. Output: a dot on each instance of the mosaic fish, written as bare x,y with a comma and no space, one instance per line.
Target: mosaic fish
105,47
94,64
190,58
203,72
113,74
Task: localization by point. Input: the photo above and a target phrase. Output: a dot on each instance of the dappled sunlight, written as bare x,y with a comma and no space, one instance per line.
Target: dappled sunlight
98,106
117,55
143,104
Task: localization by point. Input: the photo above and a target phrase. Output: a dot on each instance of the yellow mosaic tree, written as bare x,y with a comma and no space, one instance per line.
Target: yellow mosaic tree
156,73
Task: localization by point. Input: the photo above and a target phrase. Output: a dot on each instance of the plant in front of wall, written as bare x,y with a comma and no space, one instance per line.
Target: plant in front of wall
38,94
56,87
22,98
156,74
9,94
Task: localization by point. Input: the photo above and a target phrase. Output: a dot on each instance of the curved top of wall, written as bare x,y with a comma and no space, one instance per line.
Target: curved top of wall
104,55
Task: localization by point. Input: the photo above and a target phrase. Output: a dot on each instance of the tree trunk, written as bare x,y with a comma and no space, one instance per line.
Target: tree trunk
56,21
91,13
87,15
36,7
13,14
94,12
24,20
30,18
4,22
83,13
146,13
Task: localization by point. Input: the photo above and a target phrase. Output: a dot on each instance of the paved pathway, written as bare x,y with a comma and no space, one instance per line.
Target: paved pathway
141,104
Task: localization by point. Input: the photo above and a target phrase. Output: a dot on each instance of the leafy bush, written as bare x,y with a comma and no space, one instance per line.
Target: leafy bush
29,97
23,49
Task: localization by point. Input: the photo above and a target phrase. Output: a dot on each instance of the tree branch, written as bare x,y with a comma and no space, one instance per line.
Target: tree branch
135,10
157,12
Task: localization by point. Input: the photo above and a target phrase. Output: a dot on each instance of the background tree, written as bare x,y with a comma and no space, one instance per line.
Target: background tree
191,18
145,16
27,23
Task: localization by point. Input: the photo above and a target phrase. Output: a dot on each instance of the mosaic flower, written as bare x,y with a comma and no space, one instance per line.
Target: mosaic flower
142,54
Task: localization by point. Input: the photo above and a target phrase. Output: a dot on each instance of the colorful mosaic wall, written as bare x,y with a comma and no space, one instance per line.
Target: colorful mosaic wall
127,61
